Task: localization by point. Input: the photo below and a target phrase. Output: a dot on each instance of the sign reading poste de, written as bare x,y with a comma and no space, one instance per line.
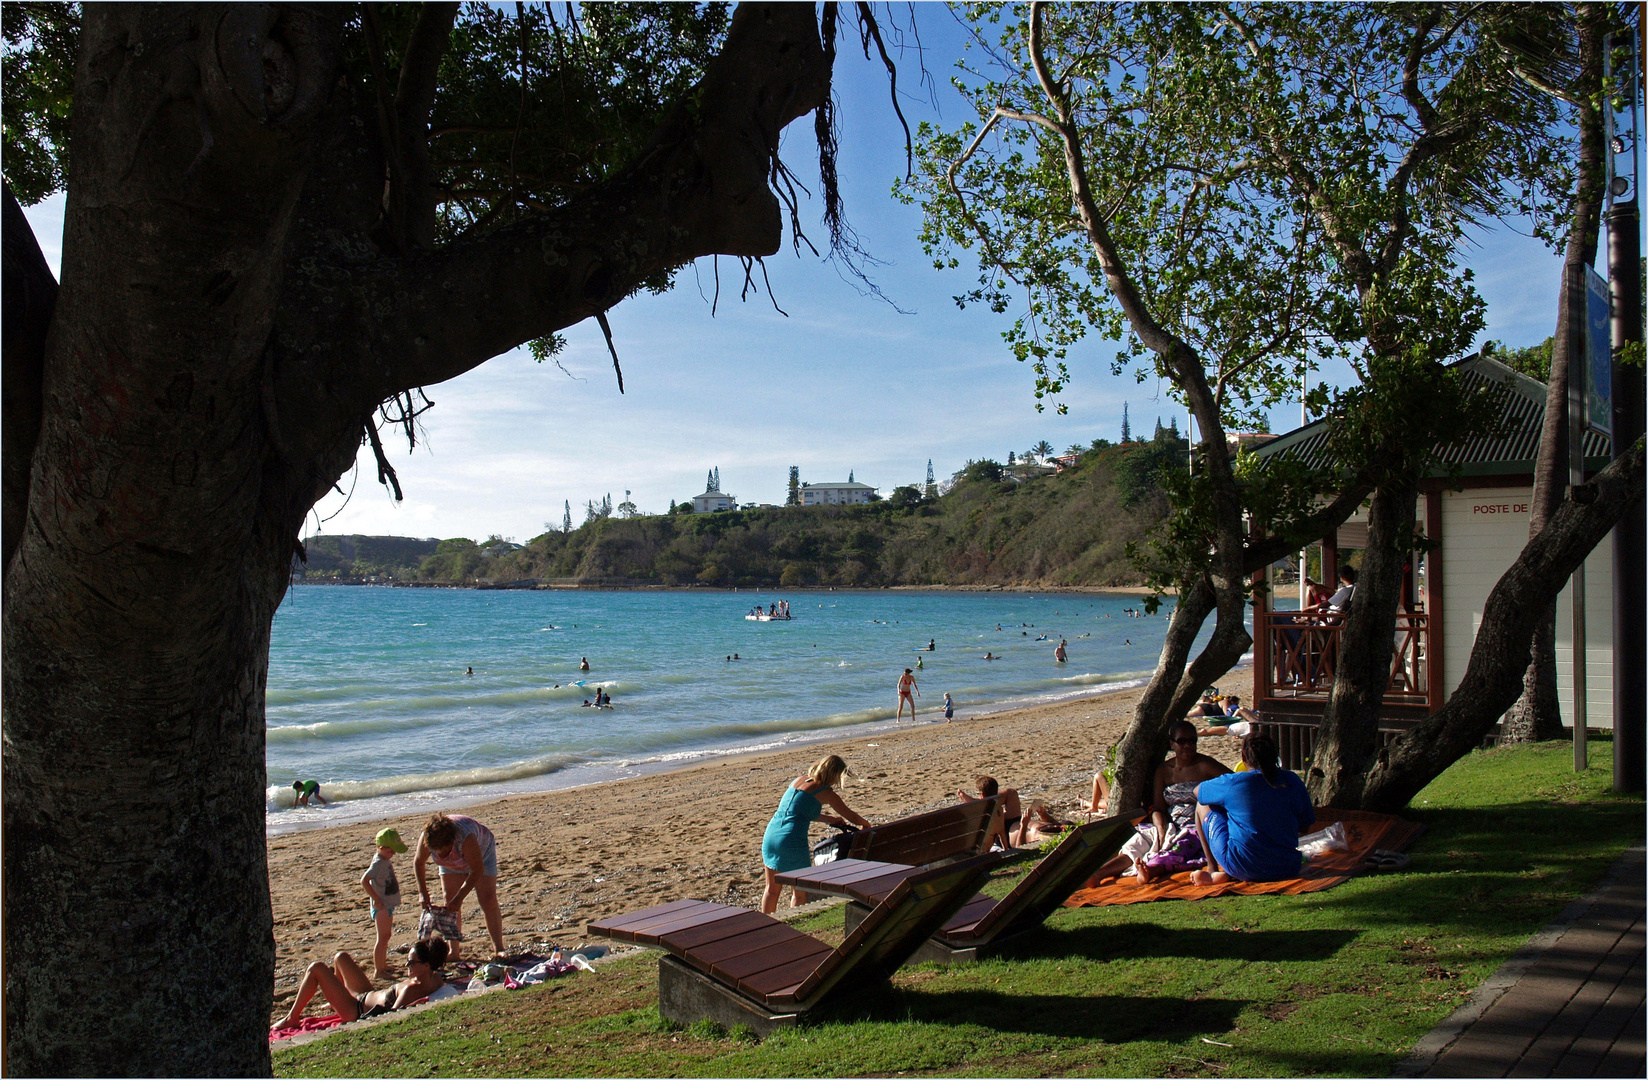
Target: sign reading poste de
1499,508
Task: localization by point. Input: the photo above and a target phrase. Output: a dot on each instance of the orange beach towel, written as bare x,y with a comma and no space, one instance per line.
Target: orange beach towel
1365,830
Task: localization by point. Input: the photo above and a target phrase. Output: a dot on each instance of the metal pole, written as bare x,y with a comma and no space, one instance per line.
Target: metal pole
1304,418
1625,288
1576,476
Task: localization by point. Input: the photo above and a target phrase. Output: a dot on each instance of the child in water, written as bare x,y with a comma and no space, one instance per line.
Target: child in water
306,790
380,884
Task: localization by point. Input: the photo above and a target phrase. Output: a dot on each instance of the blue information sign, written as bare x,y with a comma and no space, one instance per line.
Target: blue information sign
1599,356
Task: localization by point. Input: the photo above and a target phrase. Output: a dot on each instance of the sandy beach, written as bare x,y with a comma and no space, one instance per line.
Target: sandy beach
568,857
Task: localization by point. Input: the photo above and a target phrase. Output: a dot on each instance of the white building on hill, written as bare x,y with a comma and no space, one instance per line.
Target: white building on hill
836,494
713,500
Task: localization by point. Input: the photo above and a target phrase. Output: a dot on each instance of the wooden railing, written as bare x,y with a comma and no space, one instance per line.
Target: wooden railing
1296,739
1303,654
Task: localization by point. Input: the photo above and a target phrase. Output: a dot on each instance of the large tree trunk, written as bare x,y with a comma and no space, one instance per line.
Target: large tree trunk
1500,654
138,606
1348,737
1536,714
225,329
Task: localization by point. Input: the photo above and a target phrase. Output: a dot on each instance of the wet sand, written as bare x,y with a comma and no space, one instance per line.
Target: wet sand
568,857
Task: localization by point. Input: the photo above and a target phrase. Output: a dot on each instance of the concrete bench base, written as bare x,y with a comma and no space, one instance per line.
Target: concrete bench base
932,951
687,996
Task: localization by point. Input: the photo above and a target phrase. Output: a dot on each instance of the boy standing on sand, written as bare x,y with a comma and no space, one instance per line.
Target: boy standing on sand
380,884
949,709
906,687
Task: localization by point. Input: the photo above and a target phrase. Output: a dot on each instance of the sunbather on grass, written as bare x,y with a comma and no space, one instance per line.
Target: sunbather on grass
349,991
1038,825
1249,822
1162,846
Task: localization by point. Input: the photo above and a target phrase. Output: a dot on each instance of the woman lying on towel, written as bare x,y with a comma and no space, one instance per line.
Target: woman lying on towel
1250,821
348,990
1169,842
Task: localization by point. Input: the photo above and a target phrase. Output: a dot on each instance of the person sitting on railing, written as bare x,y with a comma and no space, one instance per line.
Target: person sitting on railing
1303,667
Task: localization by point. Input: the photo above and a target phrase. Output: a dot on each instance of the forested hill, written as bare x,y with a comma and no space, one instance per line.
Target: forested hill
1069,528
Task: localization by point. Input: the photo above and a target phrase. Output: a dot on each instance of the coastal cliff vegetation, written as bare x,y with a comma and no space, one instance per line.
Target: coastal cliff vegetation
1068,528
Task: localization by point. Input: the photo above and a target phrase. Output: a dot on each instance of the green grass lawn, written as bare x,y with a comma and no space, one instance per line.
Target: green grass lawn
1341,982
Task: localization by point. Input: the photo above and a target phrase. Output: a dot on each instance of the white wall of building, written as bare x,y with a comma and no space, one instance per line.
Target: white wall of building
1483,531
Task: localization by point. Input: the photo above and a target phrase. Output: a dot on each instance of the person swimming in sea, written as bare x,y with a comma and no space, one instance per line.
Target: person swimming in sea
932,644
991,656
469,671
583,663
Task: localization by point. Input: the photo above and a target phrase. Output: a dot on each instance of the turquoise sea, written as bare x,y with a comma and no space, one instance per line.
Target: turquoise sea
368,692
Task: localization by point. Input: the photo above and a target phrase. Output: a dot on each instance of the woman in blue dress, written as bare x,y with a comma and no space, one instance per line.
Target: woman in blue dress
784,847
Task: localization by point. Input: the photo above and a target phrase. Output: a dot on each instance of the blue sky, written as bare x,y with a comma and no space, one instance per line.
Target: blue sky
844,382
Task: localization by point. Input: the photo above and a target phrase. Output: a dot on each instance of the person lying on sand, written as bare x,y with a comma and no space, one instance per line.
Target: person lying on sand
349,992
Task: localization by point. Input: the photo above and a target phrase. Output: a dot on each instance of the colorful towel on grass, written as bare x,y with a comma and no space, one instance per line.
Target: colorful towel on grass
1366,831
306,1026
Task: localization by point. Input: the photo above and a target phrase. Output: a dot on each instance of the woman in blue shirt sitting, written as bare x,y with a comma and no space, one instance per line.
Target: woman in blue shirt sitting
1250,821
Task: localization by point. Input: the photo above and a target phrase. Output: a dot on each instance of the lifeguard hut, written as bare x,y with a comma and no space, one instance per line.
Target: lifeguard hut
1481,528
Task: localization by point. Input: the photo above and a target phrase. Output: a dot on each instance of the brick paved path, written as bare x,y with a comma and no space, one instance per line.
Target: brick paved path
1578,1009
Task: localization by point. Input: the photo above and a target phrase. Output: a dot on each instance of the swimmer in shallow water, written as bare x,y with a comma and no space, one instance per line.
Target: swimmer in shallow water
469,671
583,663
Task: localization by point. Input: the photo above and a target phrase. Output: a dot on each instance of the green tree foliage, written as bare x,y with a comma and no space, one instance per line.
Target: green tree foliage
1533,361
41,40
1238,192
792,497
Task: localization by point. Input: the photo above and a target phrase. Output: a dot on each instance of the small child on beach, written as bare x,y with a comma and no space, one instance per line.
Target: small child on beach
380,884
949,709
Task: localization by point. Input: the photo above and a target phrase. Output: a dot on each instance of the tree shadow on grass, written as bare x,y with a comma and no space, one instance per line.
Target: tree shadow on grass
1109,1018
1143,940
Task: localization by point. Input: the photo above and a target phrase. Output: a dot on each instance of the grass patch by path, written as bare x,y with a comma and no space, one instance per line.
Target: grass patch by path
1341,982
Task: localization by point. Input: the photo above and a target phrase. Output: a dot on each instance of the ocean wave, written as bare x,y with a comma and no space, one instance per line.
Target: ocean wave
342,729
524,695
279,797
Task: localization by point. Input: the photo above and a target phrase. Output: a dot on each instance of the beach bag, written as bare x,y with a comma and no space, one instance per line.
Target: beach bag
835,847
1323,841
441,921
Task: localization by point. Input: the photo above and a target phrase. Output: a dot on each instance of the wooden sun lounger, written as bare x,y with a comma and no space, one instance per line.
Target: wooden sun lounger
737,966
953,832
983,921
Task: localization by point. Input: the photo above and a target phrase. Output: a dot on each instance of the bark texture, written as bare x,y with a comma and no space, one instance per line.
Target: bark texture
1345,748
1493,673
1537,714
235,306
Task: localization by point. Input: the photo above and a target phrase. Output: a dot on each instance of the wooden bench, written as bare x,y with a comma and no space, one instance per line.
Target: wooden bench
737,966
953,832
983,922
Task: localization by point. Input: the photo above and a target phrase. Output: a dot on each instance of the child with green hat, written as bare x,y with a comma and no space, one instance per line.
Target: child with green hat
380,884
